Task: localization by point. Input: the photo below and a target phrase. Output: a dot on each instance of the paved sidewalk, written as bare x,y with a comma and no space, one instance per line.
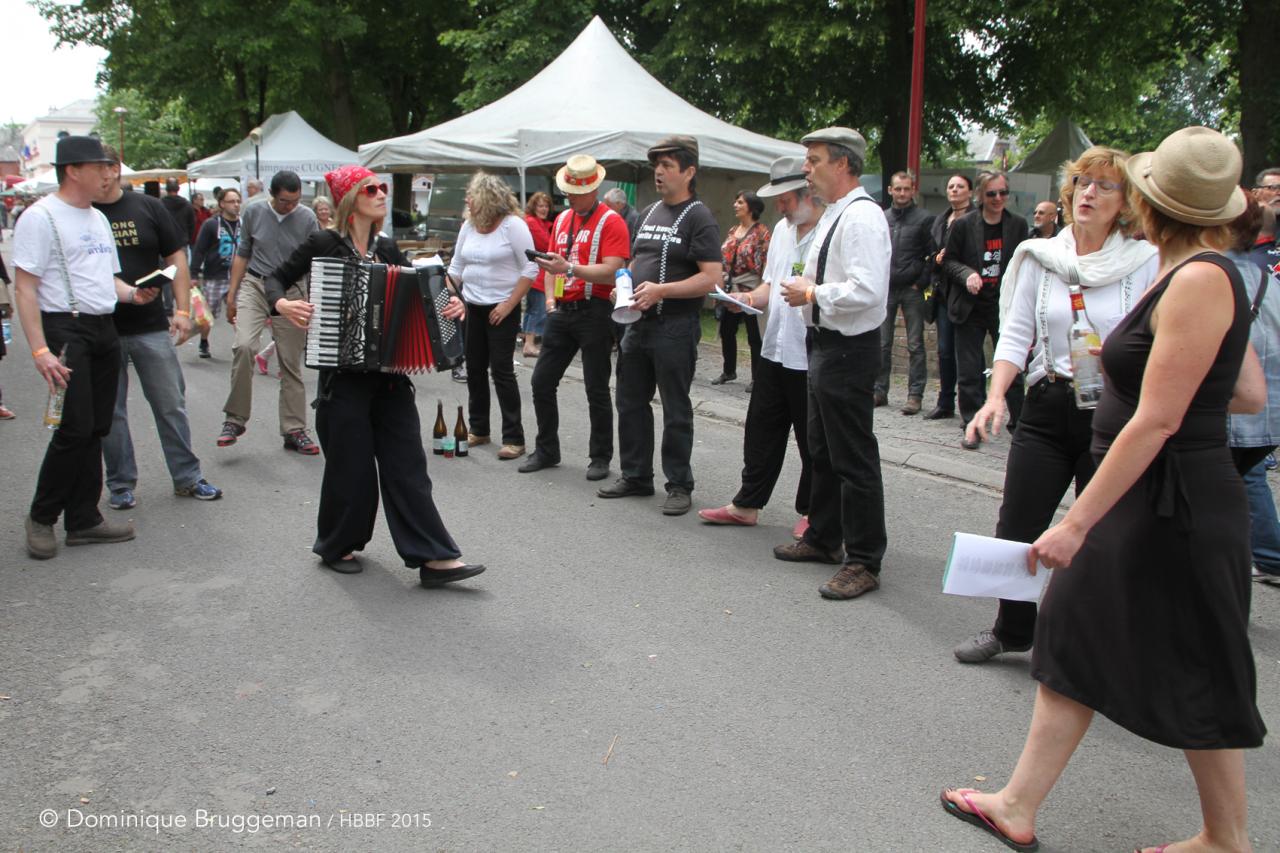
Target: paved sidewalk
910,442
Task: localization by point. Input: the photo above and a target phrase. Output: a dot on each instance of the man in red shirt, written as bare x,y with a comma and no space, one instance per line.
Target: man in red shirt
589,243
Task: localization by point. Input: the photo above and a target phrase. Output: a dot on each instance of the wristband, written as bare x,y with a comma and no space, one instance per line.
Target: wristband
182,314
808,294
40,352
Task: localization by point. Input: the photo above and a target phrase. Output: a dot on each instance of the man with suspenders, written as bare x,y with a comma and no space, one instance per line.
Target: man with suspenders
844,290
589,243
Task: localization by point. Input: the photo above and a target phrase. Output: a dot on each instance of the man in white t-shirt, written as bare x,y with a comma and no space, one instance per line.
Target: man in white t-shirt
66,292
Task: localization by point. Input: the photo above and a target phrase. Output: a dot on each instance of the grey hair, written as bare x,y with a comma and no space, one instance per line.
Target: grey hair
615,195
835,151
1265,173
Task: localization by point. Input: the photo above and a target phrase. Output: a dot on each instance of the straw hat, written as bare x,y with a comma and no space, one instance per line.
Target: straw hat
1193,176
580,175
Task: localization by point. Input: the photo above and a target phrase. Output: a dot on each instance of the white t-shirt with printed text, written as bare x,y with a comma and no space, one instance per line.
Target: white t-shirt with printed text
88,245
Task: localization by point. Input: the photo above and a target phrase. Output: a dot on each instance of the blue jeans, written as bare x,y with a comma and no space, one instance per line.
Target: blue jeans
535,312
156,362
1264,535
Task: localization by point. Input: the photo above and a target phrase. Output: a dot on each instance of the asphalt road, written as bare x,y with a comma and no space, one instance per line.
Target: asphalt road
212,672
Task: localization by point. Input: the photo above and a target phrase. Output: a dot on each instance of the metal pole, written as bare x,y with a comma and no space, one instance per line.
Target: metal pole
917,92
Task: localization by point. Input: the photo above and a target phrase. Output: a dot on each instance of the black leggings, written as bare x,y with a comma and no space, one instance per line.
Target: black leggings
729,321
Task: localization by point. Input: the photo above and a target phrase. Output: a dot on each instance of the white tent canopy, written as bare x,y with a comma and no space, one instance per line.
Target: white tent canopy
288,142
593,98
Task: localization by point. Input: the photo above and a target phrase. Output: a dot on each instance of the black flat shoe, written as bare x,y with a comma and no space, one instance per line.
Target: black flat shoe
723,378
536,462
344,567
940,414
440,577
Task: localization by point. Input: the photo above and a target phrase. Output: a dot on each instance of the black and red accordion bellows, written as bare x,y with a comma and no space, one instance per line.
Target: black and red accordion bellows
376,317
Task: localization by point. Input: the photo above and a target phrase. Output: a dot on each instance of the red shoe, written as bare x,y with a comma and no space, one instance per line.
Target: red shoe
299,441
797,532
6,414
723,515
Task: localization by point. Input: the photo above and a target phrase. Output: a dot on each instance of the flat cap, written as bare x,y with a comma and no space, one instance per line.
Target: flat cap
846,136
675,143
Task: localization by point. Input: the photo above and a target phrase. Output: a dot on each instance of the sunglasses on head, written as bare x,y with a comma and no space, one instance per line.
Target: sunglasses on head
994,193
371,190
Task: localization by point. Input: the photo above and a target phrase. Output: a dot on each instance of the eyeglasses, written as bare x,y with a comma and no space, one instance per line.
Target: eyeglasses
1083,182
994,193
371,190
1275,188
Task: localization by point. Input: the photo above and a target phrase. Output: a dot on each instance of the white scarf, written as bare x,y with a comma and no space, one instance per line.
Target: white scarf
1119,256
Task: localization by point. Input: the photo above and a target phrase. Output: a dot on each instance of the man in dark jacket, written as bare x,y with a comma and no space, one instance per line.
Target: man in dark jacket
909,229
978,252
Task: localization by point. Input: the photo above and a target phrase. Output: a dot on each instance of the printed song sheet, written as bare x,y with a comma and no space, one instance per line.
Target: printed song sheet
720,296
986,567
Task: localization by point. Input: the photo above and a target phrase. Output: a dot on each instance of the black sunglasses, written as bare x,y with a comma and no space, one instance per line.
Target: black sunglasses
994,193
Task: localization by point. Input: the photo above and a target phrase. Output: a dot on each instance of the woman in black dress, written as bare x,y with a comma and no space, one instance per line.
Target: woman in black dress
367,422
1145,619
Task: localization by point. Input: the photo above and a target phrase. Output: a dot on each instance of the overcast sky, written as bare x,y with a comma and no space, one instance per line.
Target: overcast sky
37,76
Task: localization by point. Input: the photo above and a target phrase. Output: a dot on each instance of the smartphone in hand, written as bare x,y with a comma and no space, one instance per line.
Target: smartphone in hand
536,256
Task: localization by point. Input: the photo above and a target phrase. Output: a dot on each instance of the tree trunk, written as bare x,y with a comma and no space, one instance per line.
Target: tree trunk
1259,96
242,98
896,91
339,79
262,96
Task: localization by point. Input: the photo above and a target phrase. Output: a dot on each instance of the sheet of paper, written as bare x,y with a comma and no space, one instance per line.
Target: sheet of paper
719,295
987,567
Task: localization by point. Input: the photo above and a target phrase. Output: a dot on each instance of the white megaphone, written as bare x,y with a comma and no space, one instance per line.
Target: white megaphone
623,312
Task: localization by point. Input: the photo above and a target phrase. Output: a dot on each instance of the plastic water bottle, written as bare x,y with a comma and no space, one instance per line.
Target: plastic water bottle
8,332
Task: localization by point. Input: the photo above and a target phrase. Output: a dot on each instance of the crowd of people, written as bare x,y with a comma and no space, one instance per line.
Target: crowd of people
1165,256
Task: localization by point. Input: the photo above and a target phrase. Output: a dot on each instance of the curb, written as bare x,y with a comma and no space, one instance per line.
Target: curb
894,454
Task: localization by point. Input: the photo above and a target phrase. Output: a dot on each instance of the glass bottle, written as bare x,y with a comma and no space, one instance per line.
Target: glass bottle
58,396
460,436
439,431
1086,366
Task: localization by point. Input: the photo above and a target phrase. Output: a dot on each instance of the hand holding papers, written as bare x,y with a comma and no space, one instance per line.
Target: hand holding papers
720,296
993,568
152,279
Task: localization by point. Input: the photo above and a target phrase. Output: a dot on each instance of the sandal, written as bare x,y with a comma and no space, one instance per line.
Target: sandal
978,819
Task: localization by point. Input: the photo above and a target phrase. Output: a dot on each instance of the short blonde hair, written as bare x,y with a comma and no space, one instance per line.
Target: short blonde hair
491,201
1165,232
1098,157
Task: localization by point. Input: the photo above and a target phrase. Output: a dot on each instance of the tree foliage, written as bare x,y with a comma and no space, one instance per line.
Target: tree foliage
1128,70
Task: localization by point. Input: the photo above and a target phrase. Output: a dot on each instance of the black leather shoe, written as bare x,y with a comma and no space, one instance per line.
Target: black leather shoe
723,378
624,488
439,577
597,470
940,414
881,399
344,567
536,462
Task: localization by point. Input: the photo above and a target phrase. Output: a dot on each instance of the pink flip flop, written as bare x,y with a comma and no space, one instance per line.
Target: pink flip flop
721,515
978,819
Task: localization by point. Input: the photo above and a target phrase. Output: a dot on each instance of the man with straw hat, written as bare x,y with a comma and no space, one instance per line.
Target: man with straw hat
589,243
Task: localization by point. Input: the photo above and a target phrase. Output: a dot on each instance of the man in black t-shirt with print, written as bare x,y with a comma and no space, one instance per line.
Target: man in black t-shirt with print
148,239
675,262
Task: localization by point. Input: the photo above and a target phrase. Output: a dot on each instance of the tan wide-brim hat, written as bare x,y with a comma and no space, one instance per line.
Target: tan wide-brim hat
580,175
1193,176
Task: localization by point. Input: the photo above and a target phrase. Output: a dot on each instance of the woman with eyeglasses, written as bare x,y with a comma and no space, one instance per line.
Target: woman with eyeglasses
1051,445
978,252
367,422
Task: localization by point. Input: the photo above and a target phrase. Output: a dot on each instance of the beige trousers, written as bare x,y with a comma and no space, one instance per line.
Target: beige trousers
252,314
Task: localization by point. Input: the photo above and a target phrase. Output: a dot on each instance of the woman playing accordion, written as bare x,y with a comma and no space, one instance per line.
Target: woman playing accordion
367,421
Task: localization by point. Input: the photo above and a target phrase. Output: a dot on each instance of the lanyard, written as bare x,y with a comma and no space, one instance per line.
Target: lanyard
572,246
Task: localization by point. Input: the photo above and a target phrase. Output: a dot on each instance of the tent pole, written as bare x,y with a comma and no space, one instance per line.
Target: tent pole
523,200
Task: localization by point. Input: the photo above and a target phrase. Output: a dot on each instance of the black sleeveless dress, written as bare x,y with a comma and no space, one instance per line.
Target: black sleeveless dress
1148,625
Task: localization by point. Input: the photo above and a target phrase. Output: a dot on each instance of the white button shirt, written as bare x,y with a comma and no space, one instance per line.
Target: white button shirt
854,296
785,330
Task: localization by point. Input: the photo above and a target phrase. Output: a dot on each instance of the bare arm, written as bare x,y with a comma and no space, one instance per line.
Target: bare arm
649,293
1189,324
28,303
601,273
1250,395
239,266
181,324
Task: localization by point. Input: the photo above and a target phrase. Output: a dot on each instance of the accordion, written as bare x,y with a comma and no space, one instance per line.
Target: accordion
377,317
